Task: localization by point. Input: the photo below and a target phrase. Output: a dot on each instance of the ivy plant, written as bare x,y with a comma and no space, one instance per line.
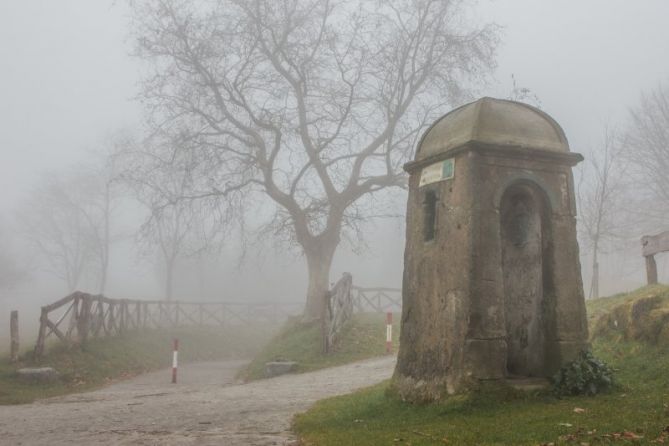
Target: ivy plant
586,375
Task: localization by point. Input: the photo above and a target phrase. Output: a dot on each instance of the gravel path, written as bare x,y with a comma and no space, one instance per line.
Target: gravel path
205,408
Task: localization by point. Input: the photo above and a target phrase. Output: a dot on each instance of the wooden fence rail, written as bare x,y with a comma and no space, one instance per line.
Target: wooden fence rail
75,318
377,300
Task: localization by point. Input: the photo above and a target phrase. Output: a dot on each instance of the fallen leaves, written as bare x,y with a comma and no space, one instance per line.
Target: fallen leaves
663,438
624,435
584,437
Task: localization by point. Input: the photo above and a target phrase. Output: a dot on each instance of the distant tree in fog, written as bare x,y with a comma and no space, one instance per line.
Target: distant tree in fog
601,196
106,169
646,147
11,274
66,219
315,104
177,225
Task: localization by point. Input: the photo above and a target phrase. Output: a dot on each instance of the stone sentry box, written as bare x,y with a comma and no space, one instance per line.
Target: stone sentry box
492,284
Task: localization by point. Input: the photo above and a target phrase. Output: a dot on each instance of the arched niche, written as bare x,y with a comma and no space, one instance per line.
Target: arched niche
526,240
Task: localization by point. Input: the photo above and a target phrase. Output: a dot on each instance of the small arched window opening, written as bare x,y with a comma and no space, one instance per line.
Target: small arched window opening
429,215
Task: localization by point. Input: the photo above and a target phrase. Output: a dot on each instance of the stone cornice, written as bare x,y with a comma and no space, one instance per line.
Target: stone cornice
505,151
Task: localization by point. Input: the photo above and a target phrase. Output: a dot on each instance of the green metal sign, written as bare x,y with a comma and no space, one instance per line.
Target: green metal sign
443,170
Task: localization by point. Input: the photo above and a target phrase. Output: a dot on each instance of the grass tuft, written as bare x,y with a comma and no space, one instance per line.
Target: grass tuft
363,337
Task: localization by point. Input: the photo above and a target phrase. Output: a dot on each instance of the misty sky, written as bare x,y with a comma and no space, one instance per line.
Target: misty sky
67,80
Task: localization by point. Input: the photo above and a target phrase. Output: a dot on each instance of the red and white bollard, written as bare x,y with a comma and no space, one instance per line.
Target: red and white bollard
175,361
389,332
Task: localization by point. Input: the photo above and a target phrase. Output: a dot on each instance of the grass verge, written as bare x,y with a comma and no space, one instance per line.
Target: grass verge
636,412
363,337
105,360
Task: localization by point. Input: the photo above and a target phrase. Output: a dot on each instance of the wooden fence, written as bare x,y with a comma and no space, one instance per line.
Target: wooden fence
377,300
344,299
338,310
75,318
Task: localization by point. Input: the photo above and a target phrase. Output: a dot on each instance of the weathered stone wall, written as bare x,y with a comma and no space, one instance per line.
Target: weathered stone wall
435,290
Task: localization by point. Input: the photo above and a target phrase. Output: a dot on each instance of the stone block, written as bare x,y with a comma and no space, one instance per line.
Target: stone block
486,358
276,368
38,375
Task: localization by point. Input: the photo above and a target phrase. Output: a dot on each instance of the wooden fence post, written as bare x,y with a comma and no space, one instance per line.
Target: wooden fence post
123,316
84,318
14,336
111,323
74,318
39,345
651,245
325,322
651,270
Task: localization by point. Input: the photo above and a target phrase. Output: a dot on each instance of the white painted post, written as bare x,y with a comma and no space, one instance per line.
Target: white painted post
175,355
389,332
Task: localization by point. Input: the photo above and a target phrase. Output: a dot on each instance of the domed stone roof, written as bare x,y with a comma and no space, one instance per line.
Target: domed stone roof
494,122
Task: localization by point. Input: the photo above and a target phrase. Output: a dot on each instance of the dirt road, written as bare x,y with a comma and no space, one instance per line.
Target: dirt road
205,408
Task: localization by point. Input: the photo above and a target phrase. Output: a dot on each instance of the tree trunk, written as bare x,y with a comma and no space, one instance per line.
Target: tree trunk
104,267
169,279
594,289
319,262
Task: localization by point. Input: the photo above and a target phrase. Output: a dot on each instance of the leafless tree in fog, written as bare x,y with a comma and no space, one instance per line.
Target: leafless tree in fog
646,146
177,225
106,171
315,104
11,273
601,196
64,220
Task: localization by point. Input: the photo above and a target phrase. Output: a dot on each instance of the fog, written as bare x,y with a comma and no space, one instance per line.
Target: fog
68,82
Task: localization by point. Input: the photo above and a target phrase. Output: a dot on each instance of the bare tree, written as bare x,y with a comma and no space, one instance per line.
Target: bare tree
168,229
646,146
106,173
11,273
600,197
177,225
316,104
57,222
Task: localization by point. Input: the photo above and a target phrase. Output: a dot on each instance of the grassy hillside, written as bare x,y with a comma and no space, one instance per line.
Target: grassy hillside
104,360
363,337
642,315
637,412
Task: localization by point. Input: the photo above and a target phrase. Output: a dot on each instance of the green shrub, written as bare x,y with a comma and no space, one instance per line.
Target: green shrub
586,375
